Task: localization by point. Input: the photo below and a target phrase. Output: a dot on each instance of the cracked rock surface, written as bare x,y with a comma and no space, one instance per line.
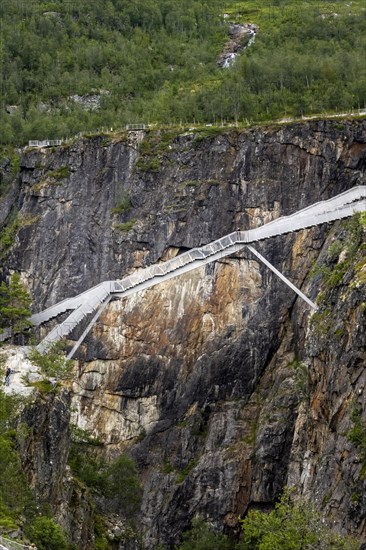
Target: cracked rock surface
220,383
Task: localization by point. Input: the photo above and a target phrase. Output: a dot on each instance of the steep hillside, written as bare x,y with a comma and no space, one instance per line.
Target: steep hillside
69,67
221,384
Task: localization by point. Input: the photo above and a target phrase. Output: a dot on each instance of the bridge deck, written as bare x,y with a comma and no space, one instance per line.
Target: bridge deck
92,300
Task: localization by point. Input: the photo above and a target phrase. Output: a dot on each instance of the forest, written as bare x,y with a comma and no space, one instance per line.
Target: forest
72,66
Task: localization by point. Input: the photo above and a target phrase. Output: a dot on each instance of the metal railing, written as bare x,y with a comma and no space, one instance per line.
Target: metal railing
135,127
91,301
9,544
45,143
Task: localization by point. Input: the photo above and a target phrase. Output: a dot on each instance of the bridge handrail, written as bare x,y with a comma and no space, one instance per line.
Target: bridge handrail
283,224
161,269
45,143
91,299
13,545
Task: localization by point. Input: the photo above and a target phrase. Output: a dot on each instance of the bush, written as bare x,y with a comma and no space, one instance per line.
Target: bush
202,537
116,481
292,525
47,535
53,363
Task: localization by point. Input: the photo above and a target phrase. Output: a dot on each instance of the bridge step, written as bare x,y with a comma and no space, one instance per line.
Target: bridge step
341,206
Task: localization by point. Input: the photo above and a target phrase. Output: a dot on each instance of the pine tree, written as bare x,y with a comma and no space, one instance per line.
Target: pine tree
14,306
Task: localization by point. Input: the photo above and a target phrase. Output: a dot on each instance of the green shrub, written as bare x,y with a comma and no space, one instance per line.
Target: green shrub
125,227
357,435
117,481
47,535
292,525
122,486
53,363
186,471
8,234
14,306
202,537
149,164
60,173
124,205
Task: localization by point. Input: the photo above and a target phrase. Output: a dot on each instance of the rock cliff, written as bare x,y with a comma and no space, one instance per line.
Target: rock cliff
220,383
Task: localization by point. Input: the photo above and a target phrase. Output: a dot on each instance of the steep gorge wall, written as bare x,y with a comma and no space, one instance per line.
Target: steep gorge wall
216,382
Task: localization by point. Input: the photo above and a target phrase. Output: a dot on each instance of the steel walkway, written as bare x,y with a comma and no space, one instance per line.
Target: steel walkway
9,544
95,299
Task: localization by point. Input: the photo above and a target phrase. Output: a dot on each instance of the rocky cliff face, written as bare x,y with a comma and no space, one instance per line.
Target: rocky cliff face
220,383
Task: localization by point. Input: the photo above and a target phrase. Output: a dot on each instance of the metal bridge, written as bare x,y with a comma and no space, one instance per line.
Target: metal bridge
45,143
9,544
97,298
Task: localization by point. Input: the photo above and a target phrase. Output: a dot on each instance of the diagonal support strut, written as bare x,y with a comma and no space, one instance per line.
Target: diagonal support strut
284,279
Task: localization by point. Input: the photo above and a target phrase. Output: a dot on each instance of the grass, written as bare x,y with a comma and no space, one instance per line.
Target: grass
186,471
59,174
123,206
148,164
125,227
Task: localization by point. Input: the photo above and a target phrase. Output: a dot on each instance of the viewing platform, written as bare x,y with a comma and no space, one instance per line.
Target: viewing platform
45,143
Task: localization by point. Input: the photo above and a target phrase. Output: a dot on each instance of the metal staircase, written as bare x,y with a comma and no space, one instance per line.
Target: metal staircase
95,299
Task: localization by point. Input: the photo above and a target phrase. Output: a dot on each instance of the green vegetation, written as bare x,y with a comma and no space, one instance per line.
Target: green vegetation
53,363
8,234
156,61
202,537
17,503
292,525
116,481
357,435
10,161
123,206
14,306
301,379
47,535
347,253
186,471
60,173
15,497
126,226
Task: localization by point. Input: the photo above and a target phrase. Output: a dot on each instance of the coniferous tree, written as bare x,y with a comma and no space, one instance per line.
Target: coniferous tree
14,306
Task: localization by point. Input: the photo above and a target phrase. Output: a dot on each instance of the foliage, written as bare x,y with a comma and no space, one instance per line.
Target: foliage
124,205
17,503
100,534
301,378
14,305
148,164
53,363
125,227
8,234
10,166
156,61
15,496
332,270
60,173
47,535
202,537
185,472
8,411
357,435
121,484
14,493
292,525
116,481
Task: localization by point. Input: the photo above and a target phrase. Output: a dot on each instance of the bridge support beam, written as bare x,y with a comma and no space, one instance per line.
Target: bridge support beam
100,310
282,277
